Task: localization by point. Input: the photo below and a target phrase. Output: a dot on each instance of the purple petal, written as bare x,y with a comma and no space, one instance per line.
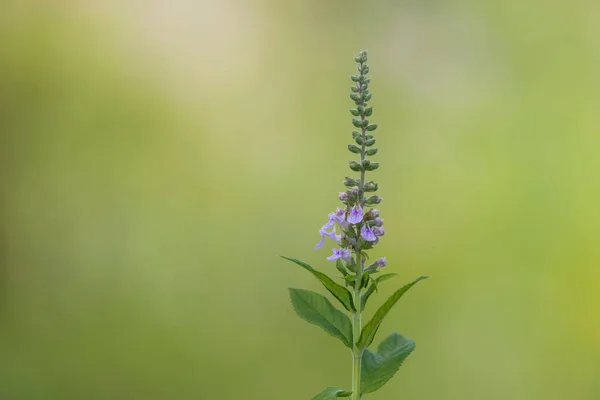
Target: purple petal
345,254
321,242
356,215
336,254
381,262
367,233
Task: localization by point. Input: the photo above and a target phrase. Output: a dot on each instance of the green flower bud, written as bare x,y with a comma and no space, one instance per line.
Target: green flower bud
370,142
364,123
355,134
357,123
354,148
353,89
354,112
354,166
355,96
372,127
373,200
369,111
365,163
373,166
360,109
359,140
367,96
355,78
372,152
350,182
370,187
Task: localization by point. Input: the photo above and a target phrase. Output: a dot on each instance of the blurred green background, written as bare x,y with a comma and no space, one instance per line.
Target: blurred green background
156,157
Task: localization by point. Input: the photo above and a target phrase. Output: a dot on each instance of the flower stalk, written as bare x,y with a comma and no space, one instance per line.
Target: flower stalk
361,229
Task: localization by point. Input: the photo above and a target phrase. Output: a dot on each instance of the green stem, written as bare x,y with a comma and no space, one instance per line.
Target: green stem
356,351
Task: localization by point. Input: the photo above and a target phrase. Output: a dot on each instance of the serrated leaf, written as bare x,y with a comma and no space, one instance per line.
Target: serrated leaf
331,393
370,329
378,368
316,309
338,291
373,288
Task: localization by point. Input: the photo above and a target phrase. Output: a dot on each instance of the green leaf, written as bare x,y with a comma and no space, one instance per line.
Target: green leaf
378,368
338,291
370,329
373,288
316,309
331,393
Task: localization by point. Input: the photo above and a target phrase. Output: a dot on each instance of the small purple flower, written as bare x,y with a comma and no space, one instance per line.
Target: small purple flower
344,254
367,233
379,231
374,213
343,196
356,215
380,262
378,222
333,235
337,216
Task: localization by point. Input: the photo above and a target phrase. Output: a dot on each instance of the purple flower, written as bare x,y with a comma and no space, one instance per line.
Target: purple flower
343,196
374,213
337,216
379,231
333,235
356,215
344,254
380,262
378,222
367,233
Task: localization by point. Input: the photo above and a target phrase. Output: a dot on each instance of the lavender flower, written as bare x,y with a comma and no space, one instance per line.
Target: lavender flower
356,215
378,222
333,235
379,231
367,233
343,196
344,254
380,262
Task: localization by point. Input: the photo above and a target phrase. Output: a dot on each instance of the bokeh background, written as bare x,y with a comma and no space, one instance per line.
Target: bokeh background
156,157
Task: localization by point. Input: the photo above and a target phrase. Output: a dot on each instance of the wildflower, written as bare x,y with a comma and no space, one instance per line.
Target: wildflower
356,215
344,254
380,262
343,196
379,231
367,233
378,222
333,235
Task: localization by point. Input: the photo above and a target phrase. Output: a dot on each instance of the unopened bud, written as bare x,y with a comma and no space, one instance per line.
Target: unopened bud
354,166
373,200
370,187
350,182
373,166
378,222
374,212
379,231
343,196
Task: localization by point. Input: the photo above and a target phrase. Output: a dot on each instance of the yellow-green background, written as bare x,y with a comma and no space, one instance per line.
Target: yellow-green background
156,157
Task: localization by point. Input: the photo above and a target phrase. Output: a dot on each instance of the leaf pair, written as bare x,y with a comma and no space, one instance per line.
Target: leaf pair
378,368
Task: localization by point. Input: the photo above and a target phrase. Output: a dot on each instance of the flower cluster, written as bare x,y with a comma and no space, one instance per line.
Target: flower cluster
360,227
